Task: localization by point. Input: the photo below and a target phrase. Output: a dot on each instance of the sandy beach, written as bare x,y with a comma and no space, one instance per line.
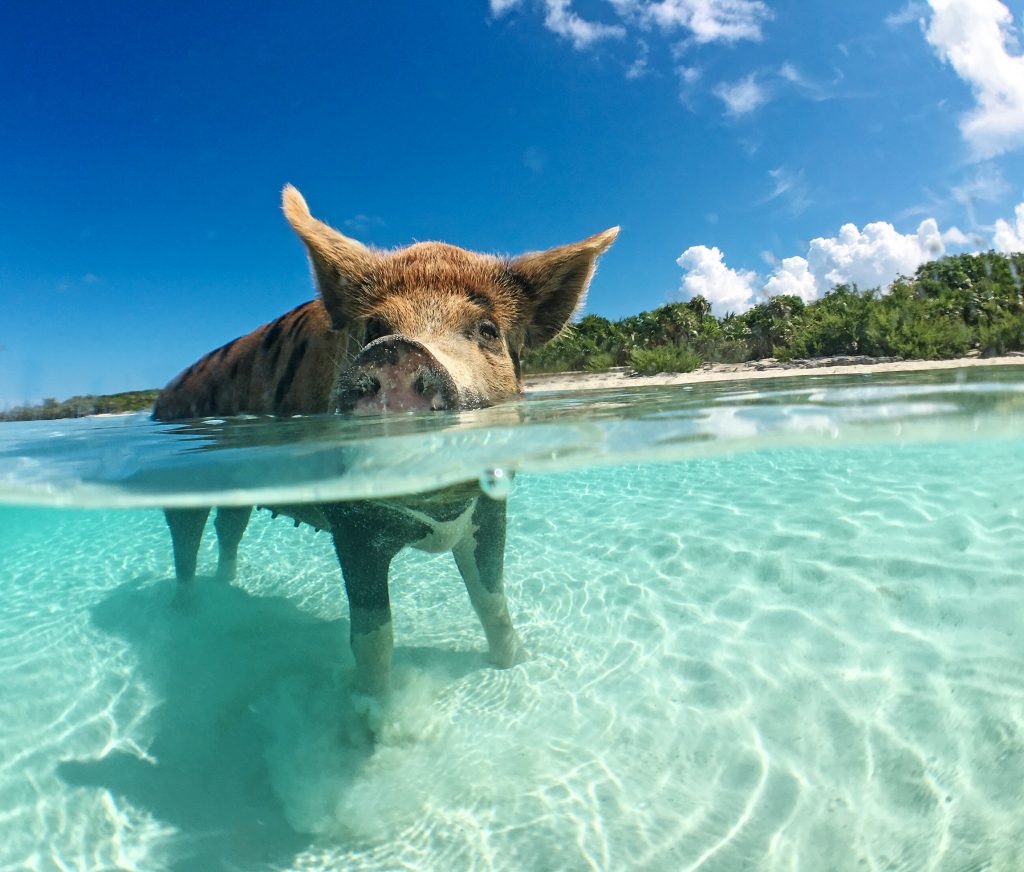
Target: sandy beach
755,369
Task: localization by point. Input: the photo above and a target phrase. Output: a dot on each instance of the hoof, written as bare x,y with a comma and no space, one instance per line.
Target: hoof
227,571
508,653
370,712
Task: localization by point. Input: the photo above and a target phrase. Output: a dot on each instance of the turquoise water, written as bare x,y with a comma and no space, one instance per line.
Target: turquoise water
777,627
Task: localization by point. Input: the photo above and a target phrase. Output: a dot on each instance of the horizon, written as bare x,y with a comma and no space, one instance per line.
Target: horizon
746,151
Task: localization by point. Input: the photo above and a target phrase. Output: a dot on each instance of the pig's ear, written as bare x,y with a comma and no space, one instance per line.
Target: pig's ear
556,282
341,266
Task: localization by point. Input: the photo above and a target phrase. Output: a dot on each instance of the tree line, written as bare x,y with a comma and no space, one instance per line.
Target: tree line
80,406
948,308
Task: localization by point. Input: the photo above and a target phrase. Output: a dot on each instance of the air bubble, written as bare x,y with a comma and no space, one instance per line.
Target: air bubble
496,483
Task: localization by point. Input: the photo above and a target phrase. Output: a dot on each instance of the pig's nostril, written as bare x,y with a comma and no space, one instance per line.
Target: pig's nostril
420,385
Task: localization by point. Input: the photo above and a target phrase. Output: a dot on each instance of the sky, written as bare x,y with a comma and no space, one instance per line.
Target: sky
746,148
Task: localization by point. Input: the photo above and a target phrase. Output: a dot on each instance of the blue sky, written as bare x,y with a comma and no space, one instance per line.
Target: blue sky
745,148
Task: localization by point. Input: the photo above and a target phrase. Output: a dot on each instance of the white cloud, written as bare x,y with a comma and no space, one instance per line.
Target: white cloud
638,69
743,96
758,88
706,20
913,11
974,37
987,185
791,74
872,257
792,277
956,237
705,273
560,19
698,22
500,7
688,75
1010,237
790,188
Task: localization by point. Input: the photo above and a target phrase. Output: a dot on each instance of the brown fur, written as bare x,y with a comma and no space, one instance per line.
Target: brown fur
437,293
248,375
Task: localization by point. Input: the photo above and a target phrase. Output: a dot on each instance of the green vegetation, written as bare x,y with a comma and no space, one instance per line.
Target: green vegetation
949,307
665,358
78,407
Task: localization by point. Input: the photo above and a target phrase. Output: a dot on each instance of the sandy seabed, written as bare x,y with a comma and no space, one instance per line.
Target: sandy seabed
755,369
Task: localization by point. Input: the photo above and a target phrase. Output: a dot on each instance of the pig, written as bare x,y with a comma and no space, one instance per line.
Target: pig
425,327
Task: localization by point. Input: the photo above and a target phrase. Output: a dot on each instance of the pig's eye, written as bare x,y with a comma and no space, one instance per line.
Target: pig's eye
489,330
377,327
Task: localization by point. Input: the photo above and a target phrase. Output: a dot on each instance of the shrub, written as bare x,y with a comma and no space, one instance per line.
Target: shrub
835,324
1001,334
904,324
774,323
602,360
721,350
666,358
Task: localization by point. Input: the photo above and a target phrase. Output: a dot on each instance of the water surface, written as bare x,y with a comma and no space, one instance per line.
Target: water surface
769,628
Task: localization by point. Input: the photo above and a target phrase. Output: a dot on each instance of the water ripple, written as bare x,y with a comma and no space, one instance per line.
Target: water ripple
783,660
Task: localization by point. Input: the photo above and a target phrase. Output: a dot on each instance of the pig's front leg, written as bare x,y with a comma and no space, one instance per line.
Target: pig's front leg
366,538
364,567
480,557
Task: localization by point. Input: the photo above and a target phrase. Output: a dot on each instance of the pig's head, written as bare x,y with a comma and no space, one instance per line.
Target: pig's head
433,326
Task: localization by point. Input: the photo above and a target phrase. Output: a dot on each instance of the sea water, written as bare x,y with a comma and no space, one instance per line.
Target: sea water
771,626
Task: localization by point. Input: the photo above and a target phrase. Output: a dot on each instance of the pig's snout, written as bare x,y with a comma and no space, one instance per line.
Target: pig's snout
396,374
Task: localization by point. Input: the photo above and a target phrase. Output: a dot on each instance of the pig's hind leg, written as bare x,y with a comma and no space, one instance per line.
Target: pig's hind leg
480,557
230,524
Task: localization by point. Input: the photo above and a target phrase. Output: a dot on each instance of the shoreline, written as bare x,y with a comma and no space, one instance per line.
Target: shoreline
753,370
